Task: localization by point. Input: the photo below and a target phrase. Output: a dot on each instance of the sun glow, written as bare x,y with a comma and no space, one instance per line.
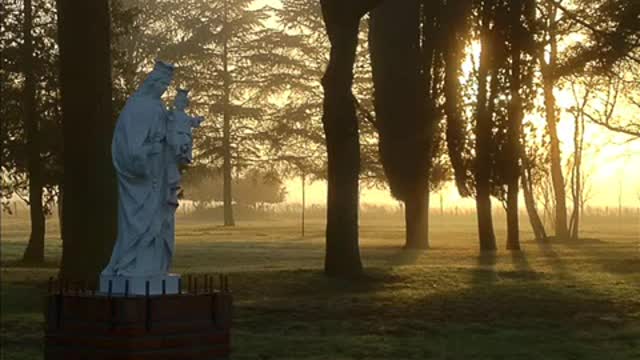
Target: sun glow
611,160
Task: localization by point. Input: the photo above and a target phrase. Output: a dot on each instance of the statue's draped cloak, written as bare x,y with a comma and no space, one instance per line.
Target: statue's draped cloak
141,156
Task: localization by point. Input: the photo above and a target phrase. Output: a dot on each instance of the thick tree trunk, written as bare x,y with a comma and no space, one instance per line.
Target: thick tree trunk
343,145
34,253
227,167
548,78
90,196
529,200
483,142
514,129
417,220
513,236
485,221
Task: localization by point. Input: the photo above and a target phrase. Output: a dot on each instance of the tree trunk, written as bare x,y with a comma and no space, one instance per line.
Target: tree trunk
514,129
483,142
579,186
34,253
556,167
90,196
577,190
303,202
343,145
529,200
227,168
60,204
557,178
417,220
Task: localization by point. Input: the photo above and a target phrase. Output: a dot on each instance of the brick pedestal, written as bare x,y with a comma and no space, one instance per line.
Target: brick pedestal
97,327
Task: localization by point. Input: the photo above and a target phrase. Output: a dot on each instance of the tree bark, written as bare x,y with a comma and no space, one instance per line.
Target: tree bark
60,204
529,200
416,210
90,196
304,180
514,128
34,253
483,141
548,78
340,125
227,167
576,174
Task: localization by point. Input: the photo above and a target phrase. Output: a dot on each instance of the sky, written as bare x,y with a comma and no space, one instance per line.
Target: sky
614,171
611,161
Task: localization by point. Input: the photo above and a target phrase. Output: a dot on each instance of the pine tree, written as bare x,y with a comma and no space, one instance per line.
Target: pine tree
231,61
31,162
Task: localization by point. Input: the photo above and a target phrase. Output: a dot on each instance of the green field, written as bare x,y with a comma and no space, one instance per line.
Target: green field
571,300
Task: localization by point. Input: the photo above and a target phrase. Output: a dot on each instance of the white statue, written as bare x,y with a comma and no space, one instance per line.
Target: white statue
147,170
180,139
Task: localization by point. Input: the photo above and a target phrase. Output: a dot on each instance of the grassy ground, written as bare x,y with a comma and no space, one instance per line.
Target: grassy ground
560,301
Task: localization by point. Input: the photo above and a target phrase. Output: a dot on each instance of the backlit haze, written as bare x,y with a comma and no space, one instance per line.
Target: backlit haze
611,161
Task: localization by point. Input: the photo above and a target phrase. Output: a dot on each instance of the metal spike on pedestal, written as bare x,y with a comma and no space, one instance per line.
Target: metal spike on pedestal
148,307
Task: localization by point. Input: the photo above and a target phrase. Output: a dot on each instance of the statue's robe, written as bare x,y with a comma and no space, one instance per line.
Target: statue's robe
141,156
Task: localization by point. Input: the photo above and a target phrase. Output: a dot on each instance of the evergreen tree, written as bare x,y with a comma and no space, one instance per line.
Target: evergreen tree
408,47
234,65
31,121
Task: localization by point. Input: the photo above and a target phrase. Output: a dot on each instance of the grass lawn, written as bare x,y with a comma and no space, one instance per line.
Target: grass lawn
560,301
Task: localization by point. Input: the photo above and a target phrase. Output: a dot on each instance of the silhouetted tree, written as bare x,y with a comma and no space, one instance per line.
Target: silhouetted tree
610,32
548,67
533,171
408,46
483,130
520,42
342,20
90,192
503,92
31,121
297,137
35,249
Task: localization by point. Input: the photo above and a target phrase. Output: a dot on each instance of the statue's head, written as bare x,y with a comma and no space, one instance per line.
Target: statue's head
182,99
158,79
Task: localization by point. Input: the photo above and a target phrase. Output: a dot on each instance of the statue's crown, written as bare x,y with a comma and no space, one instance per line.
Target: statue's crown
163,67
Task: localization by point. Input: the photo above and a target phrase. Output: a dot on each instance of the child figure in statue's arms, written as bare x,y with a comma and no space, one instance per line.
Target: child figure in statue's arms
183,125
181,140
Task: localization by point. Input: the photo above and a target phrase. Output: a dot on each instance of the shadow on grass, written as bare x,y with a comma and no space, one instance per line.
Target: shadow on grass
406,313
552,258
485,271
47,264
520,262
611,257
405,257
614,258
389,306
